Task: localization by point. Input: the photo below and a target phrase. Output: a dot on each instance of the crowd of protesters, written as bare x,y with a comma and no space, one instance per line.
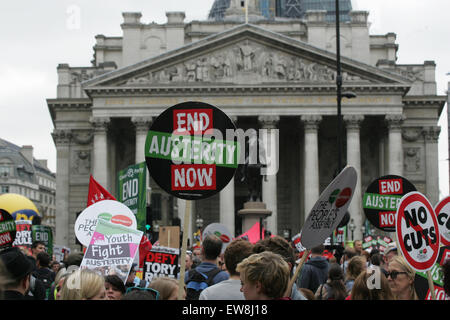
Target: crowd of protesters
244,271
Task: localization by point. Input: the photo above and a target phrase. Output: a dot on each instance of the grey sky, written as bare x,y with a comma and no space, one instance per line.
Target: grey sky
38,35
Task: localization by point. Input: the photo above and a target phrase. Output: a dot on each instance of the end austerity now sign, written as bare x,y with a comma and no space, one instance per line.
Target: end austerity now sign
186,151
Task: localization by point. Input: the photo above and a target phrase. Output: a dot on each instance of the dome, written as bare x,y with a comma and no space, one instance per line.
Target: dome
13,202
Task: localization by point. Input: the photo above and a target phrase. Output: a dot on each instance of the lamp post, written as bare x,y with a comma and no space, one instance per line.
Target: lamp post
352,227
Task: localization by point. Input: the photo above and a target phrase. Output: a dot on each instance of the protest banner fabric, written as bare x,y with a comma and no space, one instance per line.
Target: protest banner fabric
44,234
112,249
97,193
7,229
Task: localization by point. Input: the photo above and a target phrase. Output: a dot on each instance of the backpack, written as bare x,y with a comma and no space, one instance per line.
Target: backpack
198,281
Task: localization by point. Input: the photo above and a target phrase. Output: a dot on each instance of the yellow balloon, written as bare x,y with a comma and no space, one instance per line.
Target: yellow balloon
12,202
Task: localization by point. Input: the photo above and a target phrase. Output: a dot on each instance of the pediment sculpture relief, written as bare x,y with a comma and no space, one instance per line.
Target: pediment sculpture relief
240,63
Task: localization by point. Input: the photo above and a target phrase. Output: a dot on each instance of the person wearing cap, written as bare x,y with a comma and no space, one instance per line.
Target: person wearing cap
389,253
19,270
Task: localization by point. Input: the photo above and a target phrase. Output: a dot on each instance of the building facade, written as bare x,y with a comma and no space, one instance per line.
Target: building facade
274,74
22,174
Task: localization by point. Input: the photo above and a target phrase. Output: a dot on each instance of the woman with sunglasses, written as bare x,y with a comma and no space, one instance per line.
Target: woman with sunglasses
401,279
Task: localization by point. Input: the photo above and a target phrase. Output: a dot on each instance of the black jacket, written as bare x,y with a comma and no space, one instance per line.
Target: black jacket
314,273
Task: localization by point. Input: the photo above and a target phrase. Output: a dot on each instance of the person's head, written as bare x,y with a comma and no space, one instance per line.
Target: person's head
356,265
212,247
318,250
74,259
189,260
137,293
197,252
357,244
401,279
376,259
60,278
349,253
336,281
236,251
167,288
114,287
37,247
390,252
18,269
263,276
279,245
361,290
43,260
55,266
84,284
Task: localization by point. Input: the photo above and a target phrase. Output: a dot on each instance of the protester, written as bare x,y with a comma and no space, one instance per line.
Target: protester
84,284
349,253
167,287
138,293
356,265
55,266
55,291
264,276
37,247
282,247
189,261
43,272
18,272
230,289
195,279
401,279
73,259
357,245
376,259
390,252
133,280
334,287
361,291
315,270
114,287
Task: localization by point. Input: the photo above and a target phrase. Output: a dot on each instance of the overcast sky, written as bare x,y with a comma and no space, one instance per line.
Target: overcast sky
36,36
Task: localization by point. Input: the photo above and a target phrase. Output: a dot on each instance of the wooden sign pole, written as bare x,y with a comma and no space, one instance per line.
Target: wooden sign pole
297,271
431,285
187,219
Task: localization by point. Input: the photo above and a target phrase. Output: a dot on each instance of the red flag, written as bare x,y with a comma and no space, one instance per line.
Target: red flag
97,192
144,247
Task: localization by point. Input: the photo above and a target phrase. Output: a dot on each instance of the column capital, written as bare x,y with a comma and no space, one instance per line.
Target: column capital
431,134
311,121
394,121
100,124
269,121
62,136
353,121
142,123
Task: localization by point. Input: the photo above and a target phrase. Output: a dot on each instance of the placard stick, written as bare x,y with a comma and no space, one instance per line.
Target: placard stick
297,272
431,285
187,219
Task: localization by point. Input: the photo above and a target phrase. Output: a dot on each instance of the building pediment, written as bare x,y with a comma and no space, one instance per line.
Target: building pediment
245,55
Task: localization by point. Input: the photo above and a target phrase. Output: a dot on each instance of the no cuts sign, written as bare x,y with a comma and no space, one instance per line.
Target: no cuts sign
442,211
187,153
417,231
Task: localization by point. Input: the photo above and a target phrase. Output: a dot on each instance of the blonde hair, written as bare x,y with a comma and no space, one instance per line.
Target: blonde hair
360,290
267,268
82,284
355,266
164,286
410,273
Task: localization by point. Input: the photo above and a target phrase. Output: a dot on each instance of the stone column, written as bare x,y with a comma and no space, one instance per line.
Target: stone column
270,143
311,161
432,163
226,203
394,123
62,140
353,123
100,162
142,124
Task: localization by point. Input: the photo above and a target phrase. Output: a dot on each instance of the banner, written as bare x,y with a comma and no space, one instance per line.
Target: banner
7,229
60,252
97,192
24,237
44,234
221,231
112,249
442,211
131,191
161,262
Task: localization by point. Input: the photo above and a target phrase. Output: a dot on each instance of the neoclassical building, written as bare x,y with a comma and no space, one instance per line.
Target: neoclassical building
276,73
